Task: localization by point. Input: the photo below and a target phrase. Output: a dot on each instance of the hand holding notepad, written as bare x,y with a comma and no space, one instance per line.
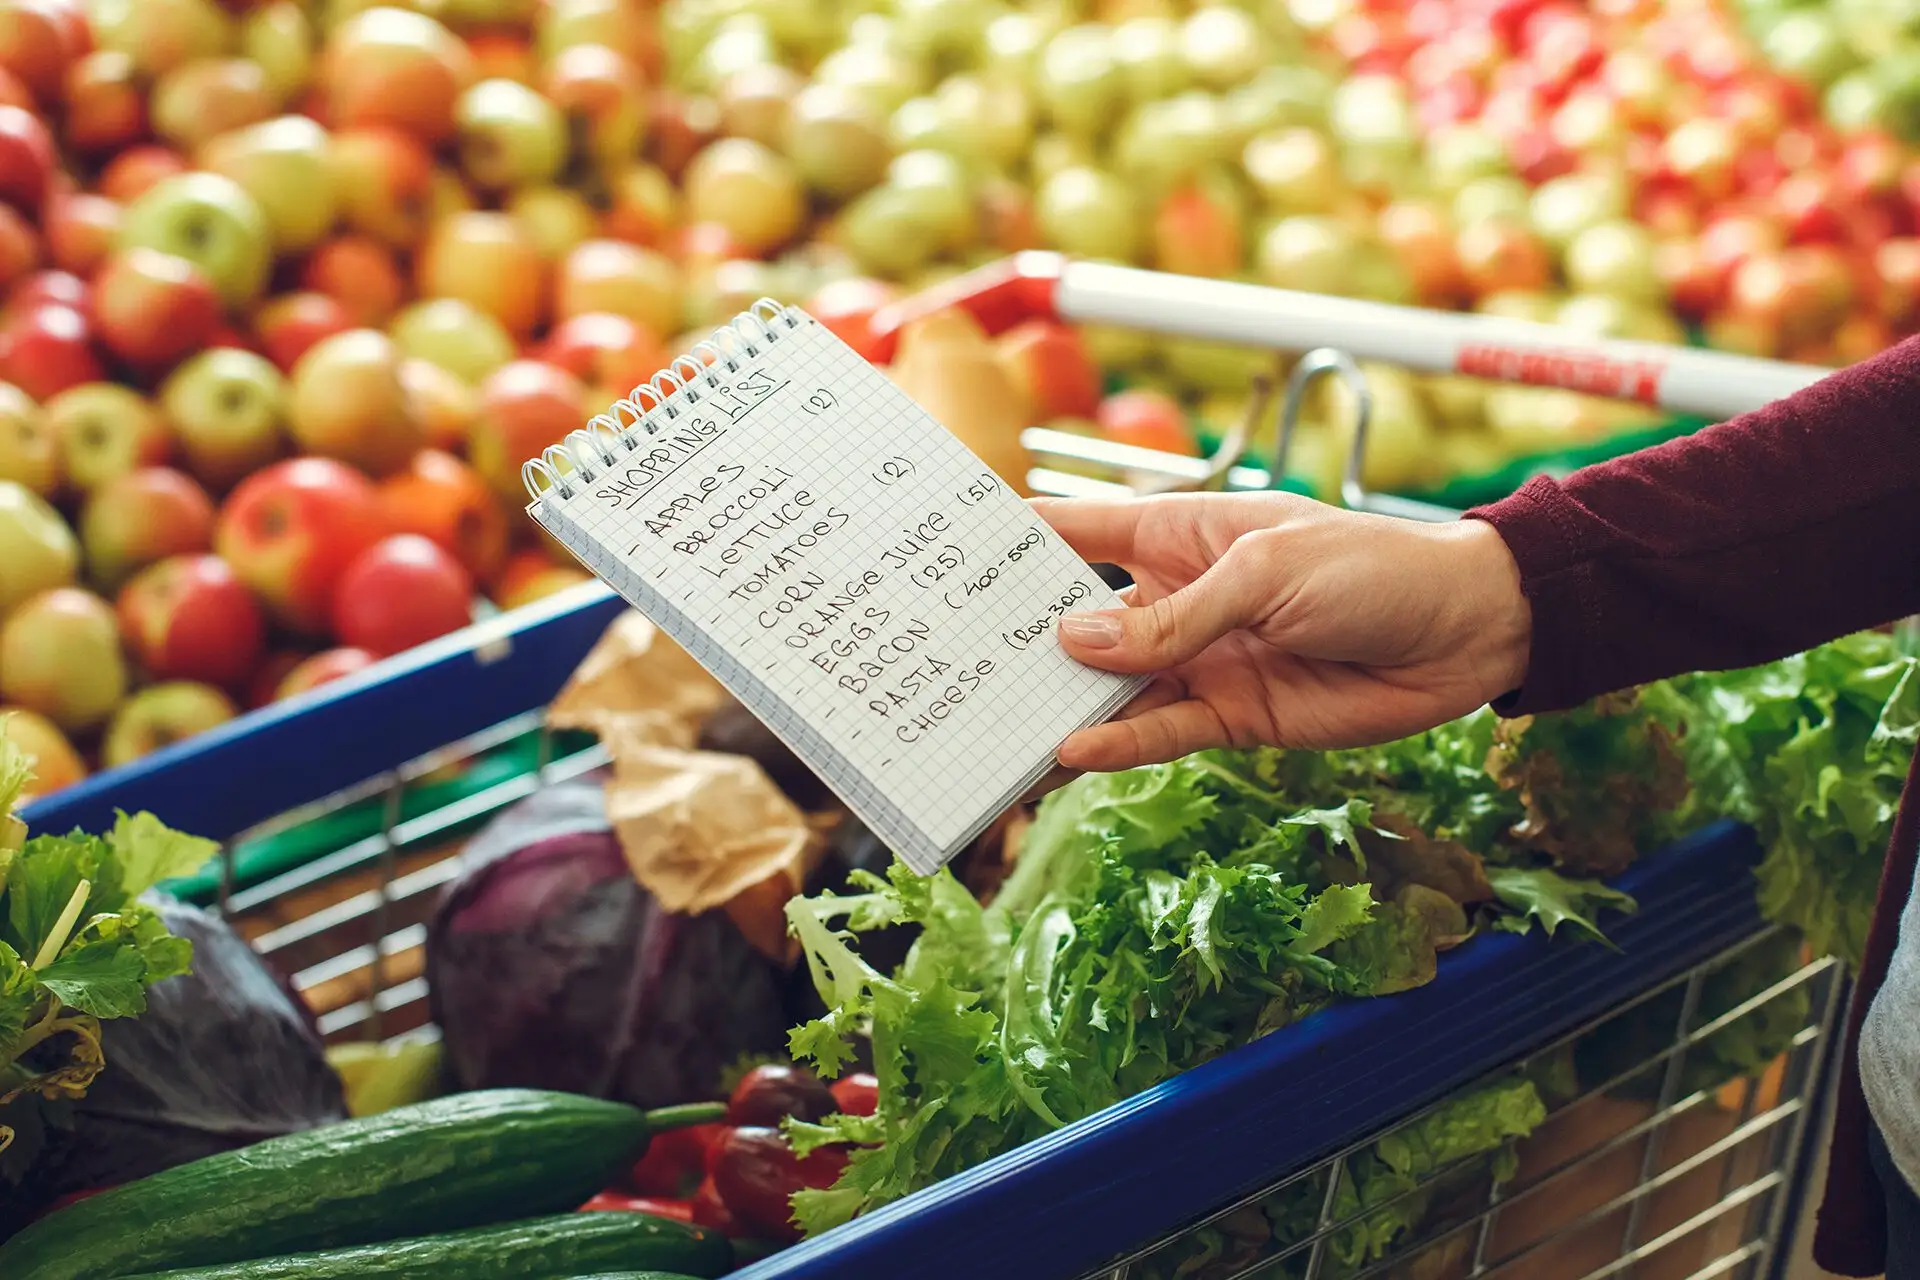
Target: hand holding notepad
846,567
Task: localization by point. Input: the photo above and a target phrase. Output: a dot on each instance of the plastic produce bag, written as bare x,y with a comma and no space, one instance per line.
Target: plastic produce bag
224,1056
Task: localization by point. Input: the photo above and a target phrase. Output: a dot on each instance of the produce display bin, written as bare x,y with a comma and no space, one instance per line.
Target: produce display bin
342,813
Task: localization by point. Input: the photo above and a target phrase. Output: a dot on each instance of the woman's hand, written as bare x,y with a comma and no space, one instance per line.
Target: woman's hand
1274,619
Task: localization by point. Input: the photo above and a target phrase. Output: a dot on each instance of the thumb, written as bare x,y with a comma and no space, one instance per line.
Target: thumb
1166,633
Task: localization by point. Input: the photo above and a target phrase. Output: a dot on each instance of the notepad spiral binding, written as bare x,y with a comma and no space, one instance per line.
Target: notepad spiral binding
626,422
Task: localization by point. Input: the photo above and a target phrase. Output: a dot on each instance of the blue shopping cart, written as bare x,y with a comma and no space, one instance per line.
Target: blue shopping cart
342,814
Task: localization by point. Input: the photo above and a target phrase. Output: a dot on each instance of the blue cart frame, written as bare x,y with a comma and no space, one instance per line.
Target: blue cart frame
1081,1201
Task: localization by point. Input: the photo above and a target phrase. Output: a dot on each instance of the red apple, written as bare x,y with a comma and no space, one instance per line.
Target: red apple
1704,153
322,668
135,170
190,617
290,531
106,103
445,501
360,274
604,350
403,591
524,407
19,247
47,349
39,39
1146,419
59,288
1500,257
388,66
1051,368
291,323
1870,166
152,309
846,307
1421,236
81,229
27,161
140,517
264,684
1811,207
1198,232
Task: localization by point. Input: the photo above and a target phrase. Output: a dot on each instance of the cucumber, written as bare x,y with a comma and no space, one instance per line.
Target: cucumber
538,1249
468,1160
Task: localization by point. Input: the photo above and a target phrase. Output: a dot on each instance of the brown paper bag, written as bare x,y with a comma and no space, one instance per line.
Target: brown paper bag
637,686
701,830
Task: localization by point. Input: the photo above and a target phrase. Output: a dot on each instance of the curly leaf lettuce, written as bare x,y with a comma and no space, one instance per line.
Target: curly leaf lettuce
1156,919
1813,752
77,947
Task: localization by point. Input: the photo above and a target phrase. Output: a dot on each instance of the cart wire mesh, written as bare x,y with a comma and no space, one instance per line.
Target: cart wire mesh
1675,1127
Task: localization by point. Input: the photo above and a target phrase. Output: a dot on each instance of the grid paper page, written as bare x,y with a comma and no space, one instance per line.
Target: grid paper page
858,579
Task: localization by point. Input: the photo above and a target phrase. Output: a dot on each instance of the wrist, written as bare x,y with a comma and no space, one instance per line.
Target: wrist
1497,618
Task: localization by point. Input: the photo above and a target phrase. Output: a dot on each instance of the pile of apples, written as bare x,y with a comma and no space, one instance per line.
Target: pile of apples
290,288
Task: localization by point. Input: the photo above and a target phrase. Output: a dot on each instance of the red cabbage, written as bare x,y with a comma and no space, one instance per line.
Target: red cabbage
224,1056
548,966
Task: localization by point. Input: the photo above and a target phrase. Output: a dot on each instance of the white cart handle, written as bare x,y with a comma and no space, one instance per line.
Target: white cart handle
1708,384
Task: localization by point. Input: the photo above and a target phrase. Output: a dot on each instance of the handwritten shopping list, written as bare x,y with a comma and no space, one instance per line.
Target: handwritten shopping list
886,589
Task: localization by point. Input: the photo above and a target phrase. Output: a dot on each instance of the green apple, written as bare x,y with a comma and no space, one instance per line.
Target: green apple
212,222
29,453
38,552
282,163
199,100
1089,213
105,431
228,408
160,35
455,335
161,715
279,38
837,140
510,136
554,218
1080,83
60,656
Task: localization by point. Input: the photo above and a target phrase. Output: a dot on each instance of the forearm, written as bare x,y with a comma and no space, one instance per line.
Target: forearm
1747,541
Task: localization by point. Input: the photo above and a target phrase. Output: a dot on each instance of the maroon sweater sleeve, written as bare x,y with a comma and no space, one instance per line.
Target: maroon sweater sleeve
1742,543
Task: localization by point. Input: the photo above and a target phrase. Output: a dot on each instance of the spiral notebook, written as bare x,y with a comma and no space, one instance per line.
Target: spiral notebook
845,566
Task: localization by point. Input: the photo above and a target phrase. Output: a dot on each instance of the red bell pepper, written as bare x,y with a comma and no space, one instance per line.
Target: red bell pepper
675,1161
711,1212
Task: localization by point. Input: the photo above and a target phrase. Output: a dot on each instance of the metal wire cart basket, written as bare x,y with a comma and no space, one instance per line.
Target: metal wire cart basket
1681,1071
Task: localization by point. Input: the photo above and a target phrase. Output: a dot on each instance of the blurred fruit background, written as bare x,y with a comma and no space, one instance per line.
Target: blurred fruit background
291,289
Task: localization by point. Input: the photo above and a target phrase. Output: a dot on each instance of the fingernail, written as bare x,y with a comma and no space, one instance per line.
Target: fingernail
1094,630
